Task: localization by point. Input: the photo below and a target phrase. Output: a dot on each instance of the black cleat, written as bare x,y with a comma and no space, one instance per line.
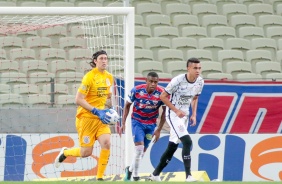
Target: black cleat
128,174
60,158
137,178
100,179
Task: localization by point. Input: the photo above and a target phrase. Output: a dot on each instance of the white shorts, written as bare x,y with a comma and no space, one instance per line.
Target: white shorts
178,127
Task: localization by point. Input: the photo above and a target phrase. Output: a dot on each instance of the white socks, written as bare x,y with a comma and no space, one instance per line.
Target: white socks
139,153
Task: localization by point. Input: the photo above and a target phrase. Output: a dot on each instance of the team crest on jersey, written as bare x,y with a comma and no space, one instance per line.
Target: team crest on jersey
86,139
83,87
156,95
181,128
141,93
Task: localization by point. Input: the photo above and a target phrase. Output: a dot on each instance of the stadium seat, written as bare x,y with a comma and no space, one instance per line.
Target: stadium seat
31,66
201,54
279,43
279,9
10,42
155,44
40,78
9,66
142,32
38,100
238,44
248,77
37,43
138,43
210,67
143,54
69,78
173,9
164,3
265,44
225,56
234,9
139,20
153,21
220,3
59,89
194,2
79,54
136,2
254,56
145,9
266,21
177,67
250,32
166,31
75,87
88,4
238,21
266,67
22,54
181,21
167,55
260,9
50,54
219,76
54,33
59,4
184,44
204,9
273,76
110,31
25,34
212,44
237,67
115,54
13,78
223,32
3,54
249,2
66,101
84,66
145,67
279,56
194,32
274,33
5,89
7,4
80,32
59,66
164,75
210,21
11,100
25,89
68,43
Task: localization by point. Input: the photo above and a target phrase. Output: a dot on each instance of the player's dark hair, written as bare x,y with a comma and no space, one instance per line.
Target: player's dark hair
152,74
192,60
95,56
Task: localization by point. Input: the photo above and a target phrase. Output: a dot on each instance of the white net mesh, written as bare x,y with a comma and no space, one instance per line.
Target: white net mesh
42,62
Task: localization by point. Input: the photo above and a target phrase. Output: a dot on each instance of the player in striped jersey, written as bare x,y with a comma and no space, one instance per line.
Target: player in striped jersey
183,91
146,103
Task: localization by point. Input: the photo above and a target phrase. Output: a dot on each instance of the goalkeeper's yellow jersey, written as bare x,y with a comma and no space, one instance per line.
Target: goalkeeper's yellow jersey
96,86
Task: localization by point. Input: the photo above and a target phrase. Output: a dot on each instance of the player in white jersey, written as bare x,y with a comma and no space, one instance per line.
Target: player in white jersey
182,91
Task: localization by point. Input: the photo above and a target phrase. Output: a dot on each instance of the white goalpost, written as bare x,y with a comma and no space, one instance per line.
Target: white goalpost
44,53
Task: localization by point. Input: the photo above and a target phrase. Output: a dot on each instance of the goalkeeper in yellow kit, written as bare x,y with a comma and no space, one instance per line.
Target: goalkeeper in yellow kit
91,118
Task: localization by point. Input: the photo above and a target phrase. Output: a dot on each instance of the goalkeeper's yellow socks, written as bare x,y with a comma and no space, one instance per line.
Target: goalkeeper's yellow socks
103,162
75,152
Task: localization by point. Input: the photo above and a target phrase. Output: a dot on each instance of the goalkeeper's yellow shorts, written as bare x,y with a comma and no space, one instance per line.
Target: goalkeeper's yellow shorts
89,129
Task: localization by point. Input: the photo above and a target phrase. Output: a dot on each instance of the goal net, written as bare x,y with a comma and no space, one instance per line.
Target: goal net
44,53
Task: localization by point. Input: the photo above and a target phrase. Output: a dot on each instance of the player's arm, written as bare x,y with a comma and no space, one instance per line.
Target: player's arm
157,132
194,105
126,110
80,100
164,97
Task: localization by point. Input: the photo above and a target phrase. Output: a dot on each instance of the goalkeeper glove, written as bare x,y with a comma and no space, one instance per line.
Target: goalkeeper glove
102,115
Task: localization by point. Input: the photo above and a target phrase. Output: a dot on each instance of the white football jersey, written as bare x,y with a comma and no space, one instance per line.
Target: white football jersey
182,92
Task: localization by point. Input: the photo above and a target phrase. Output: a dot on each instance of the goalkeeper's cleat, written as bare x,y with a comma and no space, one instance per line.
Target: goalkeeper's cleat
100,179
190,178
128,174
136,178
154,178
60,158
